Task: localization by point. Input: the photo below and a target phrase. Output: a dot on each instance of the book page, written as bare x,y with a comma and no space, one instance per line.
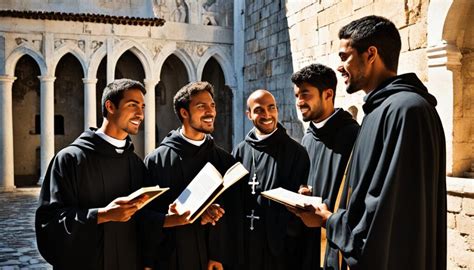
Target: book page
234,174
152,193
290,198
199,190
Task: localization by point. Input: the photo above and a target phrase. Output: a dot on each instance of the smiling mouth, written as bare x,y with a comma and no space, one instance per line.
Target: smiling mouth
267,122
304,110
136,122
208,120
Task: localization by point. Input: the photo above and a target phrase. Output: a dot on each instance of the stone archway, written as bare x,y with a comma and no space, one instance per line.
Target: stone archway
450,63
213,73
173,76
68,101
26,129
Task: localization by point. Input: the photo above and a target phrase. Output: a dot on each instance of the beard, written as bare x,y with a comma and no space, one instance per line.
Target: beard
264,130
198,127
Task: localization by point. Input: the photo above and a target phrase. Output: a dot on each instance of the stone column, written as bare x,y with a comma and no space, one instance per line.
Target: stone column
444,80
90,114
47,123
7,182
149,116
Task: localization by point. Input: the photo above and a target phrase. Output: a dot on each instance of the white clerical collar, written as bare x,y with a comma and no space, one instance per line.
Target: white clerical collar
115,142
193,142
322,123
263,137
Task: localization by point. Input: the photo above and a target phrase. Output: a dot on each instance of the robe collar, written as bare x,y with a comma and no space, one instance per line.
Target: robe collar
268,142
340,118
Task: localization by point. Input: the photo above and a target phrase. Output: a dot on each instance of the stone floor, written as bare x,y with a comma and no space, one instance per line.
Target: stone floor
17,235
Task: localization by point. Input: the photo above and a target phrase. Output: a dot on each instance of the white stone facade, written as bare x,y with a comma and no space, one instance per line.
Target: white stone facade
47,41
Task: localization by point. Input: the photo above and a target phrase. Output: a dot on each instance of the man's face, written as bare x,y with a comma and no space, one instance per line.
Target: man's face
309,102
263,113
202,113
353,67
126,119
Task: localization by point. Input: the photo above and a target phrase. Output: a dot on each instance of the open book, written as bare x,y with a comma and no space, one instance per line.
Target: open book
290,198
204,189
152,192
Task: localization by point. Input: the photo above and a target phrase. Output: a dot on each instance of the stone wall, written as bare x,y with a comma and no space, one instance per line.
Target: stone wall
460,223
314,26
268,62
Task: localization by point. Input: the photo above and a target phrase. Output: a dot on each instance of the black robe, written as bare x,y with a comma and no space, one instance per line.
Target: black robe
329,148
81,178
279,162
396,212
174,164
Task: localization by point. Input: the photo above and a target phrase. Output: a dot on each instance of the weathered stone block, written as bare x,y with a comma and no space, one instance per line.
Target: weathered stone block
327,16
458,251
451,221
454,204
404,36
418,36
465,224
468,206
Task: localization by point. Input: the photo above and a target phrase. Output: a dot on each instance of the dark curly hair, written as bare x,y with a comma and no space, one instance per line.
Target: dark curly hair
318,75
114,92
184,95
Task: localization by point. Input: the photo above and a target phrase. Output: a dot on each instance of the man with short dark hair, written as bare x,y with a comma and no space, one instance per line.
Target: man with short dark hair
271,235
392,214
83,221
328,140
177,160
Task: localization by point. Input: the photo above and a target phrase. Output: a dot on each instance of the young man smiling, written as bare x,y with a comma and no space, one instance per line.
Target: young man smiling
392,214
328,140
177,160
82,221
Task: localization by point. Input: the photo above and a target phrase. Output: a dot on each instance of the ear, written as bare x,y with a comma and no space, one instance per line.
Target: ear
248,115
184,113
110,107
328,94
372,54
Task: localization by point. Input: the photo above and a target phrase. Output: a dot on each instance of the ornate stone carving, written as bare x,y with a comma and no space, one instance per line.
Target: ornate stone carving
171,10
20,40
95,45
201,49
82,45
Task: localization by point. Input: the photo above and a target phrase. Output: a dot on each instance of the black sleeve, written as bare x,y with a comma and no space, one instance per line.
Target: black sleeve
61,226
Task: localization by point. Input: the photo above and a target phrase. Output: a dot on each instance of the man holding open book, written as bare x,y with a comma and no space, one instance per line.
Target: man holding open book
271,234
84,221
178,159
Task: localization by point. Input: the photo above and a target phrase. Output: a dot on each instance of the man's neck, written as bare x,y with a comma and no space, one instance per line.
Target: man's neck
377,79
112,131
192,134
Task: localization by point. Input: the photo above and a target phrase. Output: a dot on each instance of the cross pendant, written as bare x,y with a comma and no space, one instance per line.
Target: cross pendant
252,217
253,183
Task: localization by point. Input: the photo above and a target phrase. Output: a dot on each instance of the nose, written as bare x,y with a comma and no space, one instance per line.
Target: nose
141,112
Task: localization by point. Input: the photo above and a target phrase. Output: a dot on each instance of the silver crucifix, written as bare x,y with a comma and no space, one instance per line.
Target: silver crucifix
252,218
253,183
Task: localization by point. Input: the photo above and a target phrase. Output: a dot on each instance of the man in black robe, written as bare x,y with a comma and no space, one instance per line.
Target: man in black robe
83,222
178,159
393,213
271,234
328,140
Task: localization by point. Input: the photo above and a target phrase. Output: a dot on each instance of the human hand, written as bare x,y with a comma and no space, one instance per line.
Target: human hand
119,210
322,210
305,190
214,265
173,218
212,214
307,215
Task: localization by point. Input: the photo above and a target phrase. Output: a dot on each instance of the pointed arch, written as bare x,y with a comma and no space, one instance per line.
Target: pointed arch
143,55
73,49
224,61
183,56
18,52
